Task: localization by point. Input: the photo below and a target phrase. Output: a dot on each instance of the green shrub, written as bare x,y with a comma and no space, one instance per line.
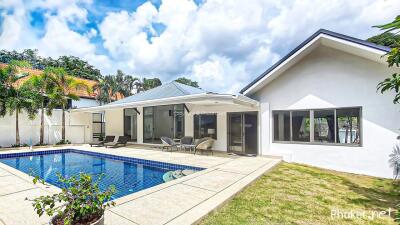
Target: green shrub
62,142
80,200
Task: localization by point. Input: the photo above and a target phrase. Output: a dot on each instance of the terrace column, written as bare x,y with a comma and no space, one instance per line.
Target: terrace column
140,126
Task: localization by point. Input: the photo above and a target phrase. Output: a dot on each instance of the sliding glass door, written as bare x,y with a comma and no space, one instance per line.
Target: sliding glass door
242,133
165,120
130,124
148,124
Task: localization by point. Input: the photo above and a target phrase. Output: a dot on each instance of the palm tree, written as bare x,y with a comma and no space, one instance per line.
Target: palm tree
37,83
60,88
16,98
103,91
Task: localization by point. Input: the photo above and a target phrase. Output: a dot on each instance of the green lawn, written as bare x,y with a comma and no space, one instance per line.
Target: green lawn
298,194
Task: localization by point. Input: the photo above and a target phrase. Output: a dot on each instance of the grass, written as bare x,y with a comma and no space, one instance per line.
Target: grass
304,195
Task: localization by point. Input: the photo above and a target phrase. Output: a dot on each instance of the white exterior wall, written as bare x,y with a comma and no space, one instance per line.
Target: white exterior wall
84,102
78,128
114,119
328,78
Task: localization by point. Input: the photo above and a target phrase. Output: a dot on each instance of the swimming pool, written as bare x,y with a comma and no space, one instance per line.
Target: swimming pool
128,175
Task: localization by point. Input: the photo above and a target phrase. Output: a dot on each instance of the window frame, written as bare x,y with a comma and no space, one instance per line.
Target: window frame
312,142
205,114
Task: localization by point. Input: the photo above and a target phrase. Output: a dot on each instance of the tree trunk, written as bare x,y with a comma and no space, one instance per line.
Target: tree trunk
41,126
17,141
63,125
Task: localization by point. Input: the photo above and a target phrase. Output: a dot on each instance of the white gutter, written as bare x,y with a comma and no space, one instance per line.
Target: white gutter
233,99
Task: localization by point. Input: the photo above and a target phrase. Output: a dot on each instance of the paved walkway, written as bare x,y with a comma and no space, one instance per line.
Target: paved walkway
182,201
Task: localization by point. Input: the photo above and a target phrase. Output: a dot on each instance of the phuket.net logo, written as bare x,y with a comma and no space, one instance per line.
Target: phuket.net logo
360,214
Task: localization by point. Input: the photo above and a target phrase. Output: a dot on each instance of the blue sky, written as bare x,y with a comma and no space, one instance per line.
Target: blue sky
222,44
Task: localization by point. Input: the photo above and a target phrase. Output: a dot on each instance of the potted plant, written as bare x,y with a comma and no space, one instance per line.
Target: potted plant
79,202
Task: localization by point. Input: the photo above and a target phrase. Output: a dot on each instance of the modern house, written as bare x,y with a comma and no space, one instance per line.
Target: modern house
176,110
318,105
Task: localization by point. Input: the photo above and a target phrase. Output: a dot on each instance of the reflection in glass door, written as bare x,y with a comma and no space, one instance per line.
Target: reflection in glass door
243,133
130,124
148,125
235,132
178,121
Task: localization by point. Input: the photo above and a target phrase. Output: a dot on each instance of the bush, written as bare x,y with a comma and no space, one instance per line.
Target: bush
63,142
80,200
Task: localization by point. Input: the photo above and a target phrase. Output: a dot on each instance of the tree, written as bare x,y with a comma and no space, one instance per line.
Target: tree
37,84
73,65
386,39
16,98
151,83
184,80
103,90
392,83
60,88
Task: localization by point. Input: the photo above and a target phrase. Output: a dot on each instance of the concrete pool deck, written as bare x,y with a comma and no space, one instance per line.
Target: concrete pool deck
183,201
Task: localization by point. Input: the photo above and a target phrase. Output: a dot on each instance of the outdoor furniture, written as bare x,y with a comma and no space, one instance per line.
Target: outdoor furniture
204,145
122,140
107,139
168,143
186,142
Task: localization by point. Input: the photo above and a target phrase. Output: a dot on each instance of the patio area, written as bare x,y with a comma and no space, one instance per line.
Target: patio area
181,201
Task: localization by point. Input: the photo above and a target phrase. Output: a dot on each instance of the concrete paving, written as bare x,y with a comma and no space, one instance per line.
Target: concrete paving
183,201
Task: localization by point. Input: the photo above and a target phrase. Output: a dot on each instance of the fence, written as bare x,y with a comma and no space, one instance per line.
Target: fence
77,129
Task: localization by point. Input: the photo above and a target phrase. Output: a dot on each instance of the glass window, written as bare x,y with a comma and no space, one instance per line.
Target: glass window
301,126
205,125
324,126
281,126
341,126
348,125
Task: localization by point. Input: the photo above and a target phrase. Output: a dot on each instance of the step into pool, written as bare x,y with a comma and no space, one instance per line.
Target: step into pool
127,174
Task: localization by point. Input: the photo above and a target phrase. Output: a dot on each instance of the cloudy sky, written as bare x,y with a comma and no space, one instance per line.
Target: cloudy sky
223,44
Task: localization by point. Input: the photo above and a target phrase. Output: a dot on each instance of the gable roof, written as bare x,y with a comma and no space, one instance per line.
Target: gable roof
317,35
168,90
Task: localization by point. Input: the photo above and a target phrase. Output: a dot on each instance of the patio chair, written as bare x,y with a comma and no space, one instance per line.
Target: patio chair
122,140
204,145
186,142
168,143
107,139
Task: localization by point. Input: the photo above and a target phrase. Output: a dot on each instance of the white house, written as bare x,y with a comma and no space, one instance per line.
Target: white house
319,105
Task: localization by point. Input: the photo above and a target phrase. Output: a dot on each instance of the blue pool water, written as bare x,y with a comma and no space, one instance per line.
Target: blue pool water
128,175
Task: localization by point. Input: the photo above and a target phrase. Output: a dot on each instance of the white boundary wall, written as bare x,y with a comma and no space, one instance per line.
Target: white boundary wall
78,128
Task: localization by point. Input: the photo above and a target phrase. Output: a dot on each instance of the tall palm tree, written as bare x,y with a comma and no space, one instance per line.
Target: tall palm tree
103,91
129,83
38,84
60,88
16,98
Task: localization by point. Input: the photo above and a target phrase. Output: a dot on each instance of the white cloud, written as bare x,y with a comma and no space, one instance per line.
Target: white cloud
222,44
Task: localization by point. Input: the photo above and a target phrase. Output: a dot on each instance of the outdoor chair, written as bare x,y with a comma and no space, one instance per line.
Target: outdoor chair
168,143
204,145
122,140
186,142
107,139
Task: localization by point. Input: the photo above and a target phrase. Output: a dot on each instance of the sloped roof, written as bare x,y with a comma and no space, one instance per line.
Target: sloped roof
168,90
81,92
308,40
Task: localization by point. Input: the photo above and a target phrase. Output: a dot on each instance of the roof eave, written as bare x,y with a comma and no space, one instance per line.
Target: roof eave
305,44
242,100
